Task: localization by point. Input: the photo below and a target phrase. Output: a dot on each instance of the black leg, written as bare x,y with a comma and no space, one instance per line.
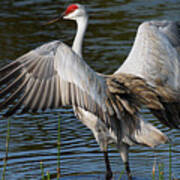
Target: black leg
124,151
128,170
108,166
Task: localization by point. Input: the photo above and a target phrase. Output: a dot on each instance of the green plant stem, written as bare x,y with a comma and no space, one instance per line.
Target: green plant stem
154,170
42,170
7,149
59,149
170,162
161,171
122,172
48,175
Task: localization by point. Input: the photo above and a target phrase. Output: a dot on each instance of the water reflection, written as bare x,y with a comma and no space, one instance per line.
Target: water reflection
108,40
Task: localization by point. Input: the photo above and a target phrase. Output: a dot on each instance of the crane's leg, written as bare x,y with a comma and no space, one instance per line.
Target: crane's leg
124,151
128,171
109,173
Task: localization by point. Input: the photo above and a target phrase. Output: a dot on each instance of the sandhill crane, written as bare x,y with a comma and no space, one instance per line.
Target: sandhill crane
55,75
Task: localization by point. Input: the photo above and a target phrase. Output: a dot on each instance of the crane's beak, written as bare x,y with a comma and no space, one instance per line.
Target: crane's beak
56,19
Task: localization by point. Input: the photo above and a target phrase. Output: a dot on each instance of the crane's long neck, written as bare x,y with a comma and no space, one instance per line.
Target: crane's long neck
81,28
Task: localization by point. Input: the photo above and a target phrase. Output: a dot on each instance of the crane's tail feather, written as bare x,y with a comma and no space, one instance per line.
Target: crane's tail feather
148,135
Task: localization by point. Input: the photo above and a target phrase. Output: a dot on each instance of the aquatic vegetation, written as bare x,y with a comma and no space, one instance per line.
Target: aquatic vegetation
7,149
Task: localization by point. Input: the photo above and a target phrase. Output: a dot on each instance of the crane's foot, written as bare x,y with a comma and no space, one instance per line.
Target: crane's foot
109,175
130,177
128,170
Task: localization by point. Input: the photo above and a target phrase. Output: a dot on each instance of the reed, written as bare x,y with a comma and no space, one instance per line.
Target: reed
161,167
170,162
42,171
58,157
48,175
59,149
161,171
154,170
121,174
7,149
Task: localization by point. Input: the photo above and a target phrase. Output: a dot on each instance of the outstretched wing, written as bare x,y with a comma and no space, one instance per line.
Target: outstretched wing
49,77
155,56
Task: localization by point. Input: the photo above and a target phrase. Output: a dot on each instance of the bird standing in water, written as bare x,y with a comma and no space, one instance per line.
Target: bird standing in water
55,75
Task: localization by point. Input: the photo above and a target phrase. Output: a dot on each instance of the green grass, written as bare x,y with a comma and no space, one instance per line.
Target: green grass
154,170
43,177
161,171
161,167
122,172
48,175
42,171
7,149
59,149
170,162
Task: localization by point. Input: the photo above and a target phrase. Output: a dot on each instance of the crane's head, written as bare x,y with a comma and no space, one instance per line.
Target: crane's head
72,12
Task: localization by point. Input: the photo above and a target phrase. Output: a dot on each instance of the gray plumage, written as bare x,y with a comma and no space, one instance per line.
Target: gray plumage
55,75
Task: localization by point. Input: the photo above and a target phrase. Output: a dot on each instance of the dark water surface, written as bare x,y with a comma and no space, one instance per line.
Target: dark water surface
110,34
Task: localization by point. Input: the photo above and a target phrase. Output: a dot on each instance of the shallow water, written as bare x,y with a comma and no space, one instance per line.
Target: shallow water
109,37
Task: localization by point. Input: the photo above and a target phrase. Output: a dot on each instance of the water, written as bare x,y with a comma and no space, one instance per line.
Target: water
110,34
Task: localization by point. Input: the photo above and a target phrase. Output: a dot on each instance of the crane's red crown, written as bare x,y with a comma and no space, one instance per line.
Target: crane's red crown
71,8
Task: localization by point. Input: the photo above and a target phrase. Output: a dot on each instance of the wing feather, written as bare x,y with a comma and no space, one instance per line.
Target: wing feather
132,91
57,96
14,95
38,96
18,105
49,77
155,56
28,102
